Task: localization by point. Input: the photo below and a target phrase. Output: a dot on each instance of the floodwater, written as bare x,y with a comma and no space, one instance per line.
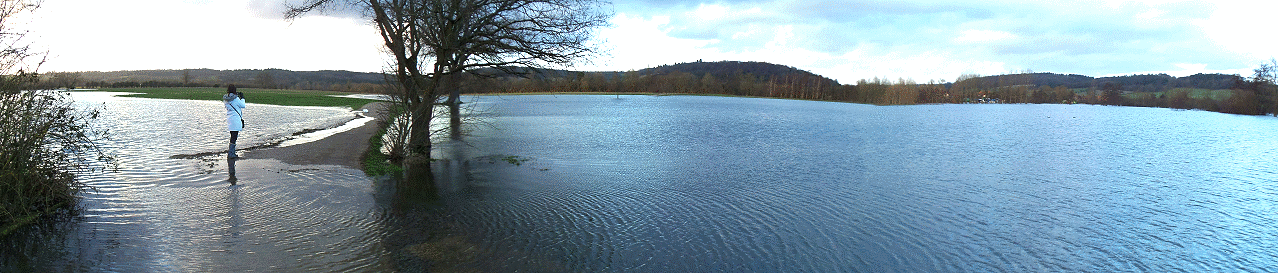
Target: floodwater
699,184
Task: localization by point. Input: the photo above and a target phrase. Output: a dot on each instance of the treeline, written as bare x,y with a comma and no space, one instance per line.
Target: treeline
800,86
1211,92
1257,95
728,78
333,80
1137,83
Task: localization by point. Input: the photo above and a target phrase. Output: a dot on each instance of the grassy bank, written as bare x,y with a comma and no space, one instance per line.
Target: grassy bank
262,96
373,160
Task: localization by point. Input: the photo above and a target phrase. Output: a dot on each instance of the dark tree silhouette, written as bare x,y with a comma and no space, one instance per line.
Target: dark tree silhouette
434,42
1111,94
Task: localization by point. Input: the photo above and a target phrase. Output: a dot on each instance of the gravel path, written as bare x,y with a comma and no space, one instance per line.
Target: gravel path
343,149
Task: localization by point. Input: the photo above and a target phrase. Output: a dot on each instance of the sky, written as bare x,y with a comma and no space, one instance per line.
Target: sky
845,40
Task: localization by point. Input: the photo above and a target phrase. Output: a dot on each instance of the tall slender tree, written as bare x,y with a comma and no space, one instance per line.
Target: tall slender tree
1265,84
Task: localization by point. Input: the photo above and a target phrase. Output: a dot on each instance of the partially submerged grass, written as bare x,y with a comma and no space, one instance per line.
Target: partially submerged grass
263,96
516,160
376,163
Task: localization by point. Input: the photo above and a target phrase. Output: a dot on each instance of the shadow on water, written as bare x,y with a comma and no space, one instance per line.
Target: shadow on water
408,201
235,221
413,189
41,242
429,211
425,234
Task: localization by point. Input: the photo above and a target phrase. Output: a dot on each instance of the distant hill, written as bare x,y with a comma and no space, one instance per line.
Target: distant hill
726,77
720,70
723,71
727,69
723,77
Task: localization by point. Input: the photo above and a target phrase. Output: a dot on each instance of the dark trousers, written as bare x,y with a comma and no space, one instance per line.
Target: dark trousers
234,135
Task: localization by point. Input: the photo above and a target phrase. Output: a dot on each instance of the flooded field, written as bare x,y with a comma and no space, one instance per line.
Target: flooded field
691,184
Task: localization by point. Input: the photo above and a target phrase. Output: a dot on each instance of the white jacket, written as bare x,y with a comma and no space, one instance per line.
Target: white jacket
234,108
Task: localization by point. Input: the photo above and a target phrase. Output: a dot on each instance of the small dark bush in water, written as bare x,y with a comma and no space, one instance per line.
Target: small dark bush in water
44,143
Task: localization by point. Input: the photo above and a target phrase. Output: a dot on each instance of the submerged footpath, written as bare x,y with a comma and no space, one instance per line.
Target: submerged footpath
342,149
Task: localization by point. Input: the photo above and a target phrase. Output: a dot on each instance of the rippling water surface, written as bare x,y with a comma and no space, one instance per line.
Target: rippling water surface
670,184
162,214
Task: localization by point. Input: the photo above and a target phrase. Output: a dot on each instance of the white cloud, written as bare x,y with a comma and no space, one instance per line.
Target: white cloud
107,35
710,11
1085,37
1245,29
634,43
846,40
637,43
982,36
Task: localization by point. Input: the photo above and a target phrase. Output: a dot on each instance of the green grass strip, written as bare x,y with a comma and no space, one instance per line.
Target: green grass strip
374,161
263,96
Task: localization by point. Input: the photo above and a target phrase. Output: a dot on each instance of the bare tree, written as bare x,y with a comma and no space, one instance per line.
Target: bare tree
435,41
45,139
1265,84
1267,72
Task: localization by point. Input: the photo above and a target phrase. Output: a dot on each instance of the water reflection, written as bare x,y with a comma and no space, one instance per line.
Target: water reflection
235,219
409,202
230,170
414,189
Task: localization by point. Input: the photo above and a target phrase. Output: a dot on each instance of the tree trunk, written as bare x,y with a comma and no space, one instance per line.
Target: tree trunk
419,129
454,106
454,120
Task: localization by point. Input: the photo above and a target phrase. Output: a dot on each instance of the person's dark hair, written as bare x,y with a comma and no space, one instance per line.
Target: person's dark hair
230,88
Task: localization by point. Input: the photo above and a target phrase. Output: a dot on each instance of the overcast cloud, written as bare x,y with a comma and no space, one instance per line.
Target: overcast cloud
845,40
925,40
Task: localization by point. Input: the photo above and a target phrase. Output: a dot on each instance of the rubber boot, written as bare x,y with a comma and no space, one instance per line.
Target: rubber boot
230,152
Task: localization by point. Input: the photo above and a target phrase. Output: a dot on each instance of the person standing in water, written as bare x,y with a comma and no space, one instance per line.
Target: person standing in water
234,102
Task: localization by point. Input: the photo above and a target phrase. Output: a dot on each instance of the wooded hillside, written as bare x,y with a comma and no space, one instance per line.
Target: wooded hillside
730,78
